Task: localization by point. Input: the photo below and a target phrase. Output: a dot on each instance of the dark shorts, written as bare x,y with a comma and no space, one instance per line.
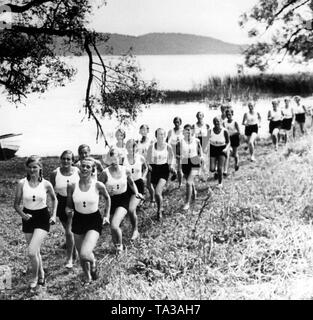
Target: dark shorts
159,171
120,200
216,152
189,164
286,124
273,125
82,223
39,220
300,117
250,129
140,187
234,140
61,208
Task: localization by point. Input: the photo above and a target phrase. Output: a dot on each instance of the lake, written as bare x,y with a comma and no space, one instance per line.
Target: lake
54,121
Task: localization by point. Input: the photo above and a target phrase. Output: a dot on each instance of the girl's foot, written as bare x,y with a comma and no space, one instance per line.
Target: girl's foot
69,265
186,206
41,280
33,284
135,235
118,249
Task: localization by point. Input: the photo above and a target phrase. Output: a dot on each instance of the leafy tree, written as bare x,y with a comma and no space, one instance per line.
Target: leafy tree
29,61
282,28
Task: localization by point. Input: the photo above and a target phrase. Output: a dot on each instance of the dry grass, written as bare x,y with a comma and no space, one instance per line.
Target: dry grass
253,240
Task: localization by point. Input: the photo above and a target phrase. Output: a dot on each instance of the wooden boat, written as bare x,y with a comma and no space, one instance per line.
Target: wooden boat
9,144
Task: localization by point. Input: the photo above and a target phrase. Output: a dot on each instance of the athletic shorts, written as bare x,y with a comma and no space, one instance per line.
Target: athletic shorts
300,117
140,187
286,124
61,208
234,140
250,129
189,164
273,125
159,171
39,220
83,222
120,200
217,151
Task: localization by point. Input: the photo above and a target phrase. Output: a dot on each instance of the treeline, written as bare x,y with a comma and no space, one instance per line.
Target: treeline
246,87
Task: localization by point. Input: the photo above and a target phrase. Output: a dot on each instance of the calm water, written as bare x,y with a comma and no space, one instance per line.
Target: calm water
54,121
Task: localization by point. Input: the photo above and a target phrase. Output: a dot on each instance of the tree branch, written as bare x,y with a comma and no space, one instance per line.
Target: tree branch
25,7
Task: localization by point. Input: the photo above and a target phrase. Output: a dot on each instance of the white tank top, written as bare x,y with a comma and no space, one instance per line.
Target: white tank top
230,127
34,198
189,150
287,113
116,186
86,201
122,153
136,168
251,119
276,115
175,137
159,156
299,109
143,147
218,139
200,131
61,181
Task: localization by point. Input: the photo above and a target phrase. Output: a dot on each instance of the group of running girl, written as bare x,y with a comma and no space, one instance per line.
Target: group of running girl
121,176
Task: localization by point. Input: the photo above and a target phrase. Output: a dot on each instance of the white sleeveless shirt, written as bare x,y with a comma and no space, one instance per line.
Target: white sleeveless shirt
189,150
143,147
34,198
175,137
230,127
116,186
136,168
287,113
218,140
159,156
86,202
251,119
275,115
61,181
200,131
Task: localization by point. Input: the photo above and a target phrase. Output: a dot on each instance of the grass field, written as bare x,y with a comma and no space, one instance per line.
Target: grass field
253,240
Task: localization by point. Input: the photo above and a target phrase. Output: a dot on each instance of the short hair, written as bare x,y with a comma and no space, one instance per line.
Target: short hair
67,152
179,119
122,131
187,126
83,146
38,160
144,126
156,131
92,160
198,113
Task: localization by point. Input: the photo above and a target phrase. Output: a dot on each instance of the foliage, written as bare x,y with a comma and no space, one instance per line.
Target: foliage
281,28
29,61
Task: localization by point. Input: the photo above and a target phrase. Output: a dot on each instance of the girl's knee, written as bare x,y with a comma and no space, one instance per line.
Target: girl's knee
85,255
32,253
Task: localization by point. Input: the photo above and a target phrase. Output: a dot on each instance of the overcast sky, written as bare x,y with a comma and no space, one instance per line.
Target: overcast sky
214,18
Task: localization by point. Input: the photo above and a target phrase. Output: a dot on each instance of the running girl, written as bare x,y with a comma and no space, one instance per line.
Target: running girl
32,193
160,161
288,119
275,118
190,157
251,120
83,196
299,111
60,178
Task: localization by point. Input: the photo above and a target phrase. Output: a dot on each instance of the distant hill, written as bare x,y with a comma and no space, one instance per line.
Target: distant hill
168,43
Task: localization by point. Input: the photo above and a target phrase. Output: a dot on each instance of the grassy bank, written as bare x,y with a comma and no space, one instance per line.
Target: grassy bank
246,87
253,240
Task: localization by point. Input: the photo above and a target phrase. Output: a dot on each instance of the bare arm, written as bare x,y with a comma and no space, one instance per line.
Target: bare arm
244,119
237,127
227,140
144,167
170,157
69,200
104,192
52,177
132,185
18,200
149,156
54,200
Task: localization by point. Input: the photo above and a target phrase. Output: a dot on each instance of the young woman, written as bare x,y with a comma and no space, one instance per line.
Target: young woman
116,178
143,145
299,111
83,196
60,178
233,130
219,145
201,130
137,166
173,137
251,120
189,152
160,162
83,153
275,117
32,193
287,121
120,136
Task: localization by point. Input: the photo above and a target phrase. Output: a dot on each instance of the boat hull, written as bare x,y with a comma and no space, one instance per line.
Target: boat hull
9,145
